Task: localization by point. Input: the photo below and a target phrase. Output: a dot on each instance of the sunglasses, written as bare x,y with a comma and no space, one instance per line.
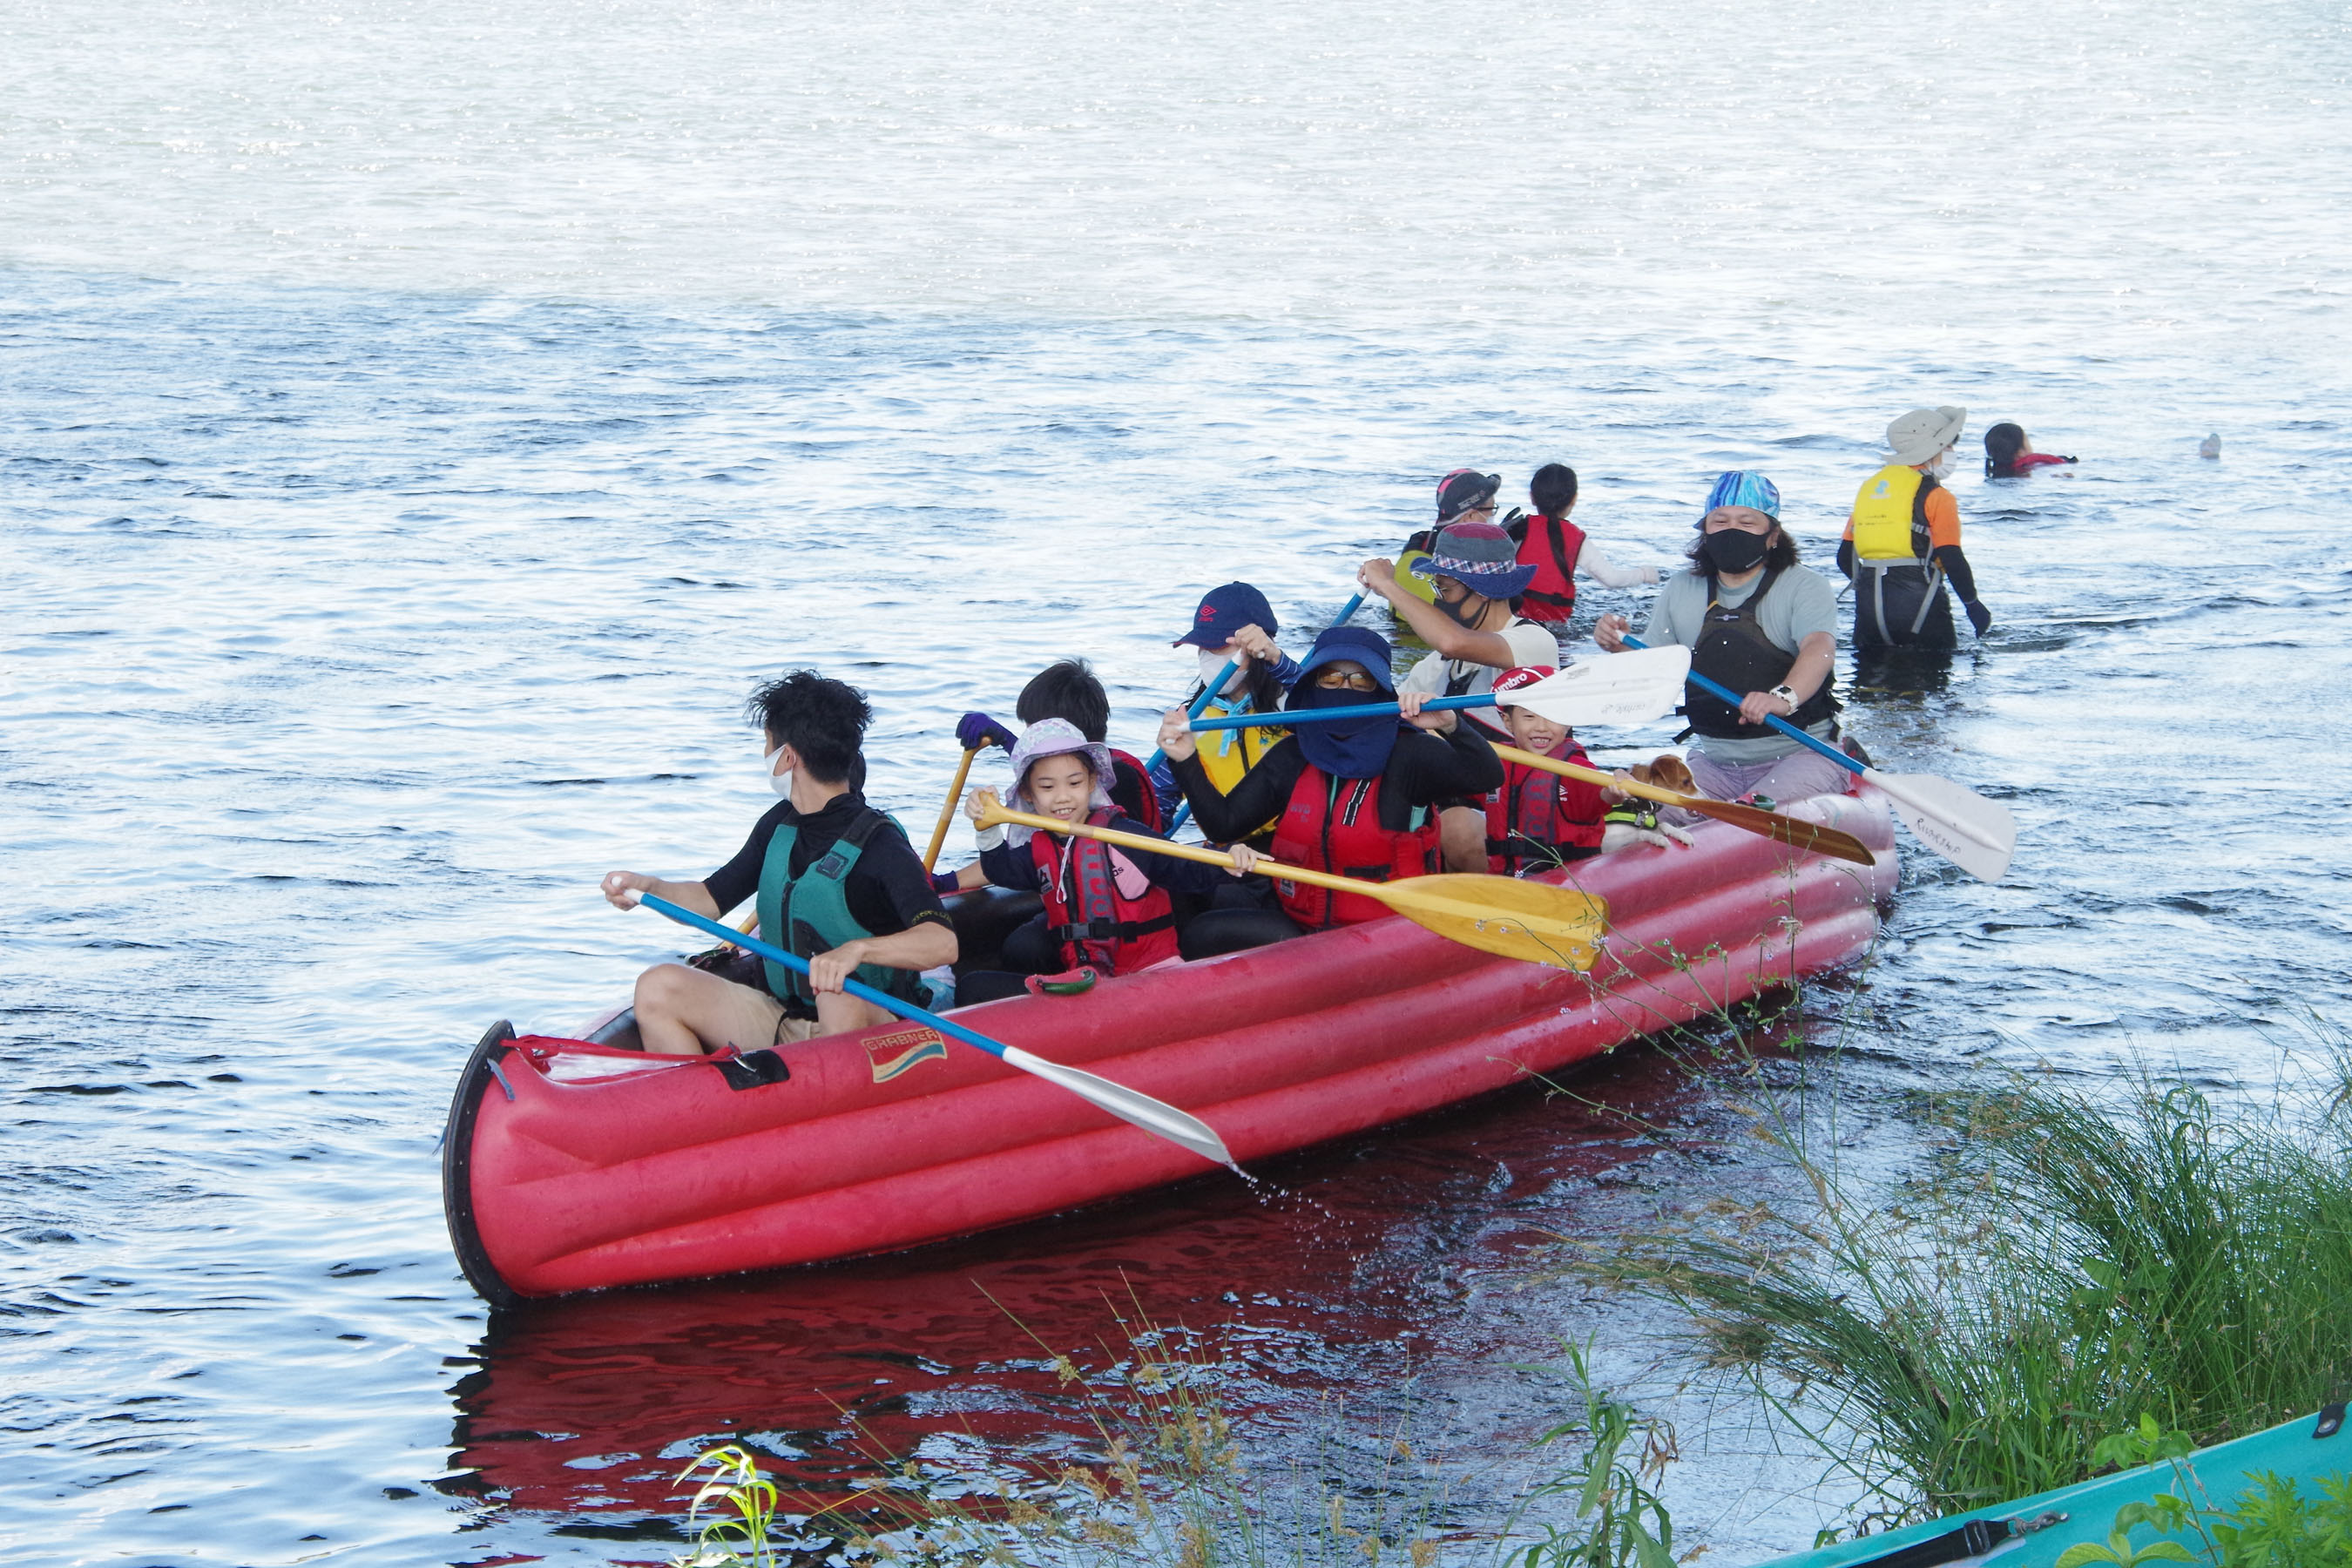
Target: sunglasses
1333,680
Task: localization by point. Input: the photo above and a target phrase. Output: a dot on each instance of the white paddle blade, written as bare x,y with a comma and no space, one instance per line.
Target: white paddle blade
1146,1112
1630,687
1975,834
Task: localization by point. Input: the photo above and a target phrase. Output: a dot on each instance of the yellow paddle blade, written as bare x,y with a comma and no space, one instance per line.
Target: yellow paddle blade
1531,920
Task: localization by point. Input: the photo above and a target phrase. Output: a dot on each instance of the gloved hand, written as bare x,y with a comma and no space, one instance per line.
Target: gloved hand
945,882
974,731
1978,617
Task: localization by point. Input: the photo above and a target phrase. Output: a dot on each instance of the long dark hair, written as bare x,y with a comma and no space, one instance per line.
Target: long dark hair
1779,556
2002,443
1553,489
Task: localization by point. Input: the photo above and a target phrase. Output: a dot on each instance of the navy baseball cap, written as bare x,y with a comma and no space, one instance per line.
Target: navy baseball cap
1226,610
1366,647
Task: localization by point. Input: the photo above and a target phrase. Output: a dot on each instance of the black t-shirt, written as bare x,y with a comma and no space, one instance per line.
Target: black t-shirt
1425,769
888,890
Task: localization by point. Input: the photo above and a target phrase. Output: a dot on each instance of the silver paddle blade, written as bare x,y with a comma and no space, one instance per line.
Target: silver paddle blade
1630,687
1126,1104
1975,834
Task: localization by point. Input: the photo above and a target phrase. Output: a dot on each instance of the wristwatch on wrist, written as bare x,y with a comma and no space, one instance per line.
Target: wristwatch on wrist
1786,694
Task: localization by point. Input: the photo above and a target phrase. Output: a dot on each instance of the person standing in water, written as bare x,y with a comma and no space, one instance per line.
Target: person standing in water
1560,552
1902,542
1758,623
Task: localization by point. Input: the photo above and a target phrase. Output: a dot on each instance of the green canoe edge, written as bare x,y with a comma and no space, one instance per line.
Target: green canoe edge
2290,1449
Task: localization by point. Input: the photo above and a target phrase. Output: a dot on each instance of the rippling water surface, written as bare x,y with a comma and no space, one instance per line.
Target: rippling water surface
423,425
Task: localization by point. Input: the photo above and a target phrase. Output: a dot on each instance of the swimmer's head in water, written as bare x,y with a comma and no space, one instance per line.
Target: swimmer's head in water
2002,444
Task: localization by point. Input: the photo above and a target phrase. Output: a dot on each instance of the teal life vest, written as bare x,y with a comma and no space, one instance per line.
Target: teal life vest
809,914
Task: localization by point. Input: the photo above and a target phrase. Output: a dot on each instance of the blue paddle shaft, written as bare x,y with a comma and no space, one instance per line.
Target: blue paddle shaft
1728,695
1326,715
855,987
1347,611
1199,705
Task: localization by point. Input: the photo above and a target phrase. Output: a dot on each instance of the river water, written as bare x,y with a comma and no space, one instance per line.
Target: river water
423,425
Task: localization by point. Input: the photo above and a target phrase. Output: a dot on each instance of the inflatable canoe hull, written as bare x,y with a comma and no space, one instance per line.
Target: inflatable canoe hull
571,1166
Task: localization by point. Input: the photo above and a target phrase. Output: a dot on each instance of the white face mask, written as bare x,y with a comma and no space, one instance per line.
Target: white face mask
1212,661
1941,468
781,783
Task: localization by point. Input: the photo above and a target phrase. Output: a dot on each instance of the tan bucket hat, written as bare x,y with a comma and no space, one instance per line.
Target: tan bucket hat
1920,436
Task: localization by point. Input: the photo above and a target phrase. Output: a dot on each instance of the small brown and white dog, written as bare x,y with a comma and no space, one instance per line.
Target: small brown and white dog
1635,821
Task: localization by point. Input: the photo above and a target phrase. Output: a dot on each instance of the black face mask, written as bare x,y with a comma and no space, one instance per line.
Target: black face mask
1460,613
1735,550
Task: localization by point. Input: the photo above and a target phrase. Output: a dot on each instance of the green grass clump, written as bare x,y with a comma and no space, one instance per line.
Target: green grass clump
2067,1268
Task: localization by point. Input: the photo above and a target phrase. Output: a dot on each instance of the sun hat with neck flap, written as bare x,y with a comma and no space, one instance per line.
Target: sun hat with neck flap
1359,748
1921,435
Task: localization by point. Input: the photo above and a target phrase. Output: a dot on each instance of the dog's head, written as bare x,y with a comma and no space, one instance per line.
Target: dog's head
1665,771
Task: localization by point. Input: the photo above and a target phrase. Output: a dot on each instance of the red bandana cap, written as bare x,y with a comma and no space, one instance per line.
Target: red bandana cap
1522,675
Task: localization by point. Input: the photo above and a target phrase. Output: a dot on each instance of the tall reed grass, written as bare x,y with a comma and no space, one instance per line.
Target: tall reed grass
2067,1267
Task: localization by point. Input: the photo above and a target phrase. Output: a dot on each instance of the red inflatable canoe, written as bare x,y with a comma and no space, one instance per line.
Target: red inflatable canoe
571,1165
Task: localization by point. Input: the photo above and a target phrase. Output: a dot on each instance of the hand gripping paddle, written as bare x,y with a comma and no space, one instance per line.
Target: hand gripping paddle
1144,1111
1975,834
1587,693
1532,920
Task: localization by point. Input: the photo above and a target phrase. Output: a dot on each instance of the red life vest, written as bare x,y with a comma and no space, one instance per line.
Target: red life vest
1099,905
1146,806
1334,824
1551,547
1534,808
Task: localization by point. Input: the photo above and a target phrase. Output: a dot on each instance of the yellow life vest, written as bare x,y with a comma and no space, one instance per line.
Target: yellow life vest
1890,515
1414,583
1226,755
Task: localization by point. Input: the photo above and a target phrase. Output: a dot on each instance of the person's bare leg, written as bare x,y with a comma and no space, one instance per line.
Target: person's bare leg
838,1013
685,1012
1462,833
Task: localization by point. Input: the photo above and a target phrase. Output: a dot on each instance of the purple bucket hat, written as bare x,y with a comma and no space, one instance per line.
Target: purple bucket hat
1052,738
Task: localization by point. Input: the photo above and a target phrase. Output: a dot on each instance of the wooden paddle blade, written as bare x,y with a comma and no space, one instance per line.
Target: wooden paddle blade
1975,834
1794,831
1151,1115
1630,687
1532,920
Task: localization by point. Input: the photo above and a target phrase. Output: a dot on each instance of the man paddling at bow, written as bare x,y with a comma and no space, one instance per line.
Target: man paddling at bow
1476,633
837,882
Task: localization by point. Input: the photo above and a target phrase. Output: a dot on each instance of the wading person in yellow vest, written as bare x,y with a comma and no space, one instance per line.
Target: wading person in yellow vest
1903,541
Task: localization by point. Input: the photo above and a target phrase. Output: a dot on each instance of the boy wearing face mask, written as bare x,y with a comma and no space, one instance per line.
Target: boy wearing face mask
1762,624
1903,541
836,882
1476,632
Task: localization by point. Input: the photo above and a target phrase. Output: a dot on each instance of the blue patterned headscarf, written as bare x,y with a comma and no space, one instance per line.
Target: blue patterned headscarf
1743,487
